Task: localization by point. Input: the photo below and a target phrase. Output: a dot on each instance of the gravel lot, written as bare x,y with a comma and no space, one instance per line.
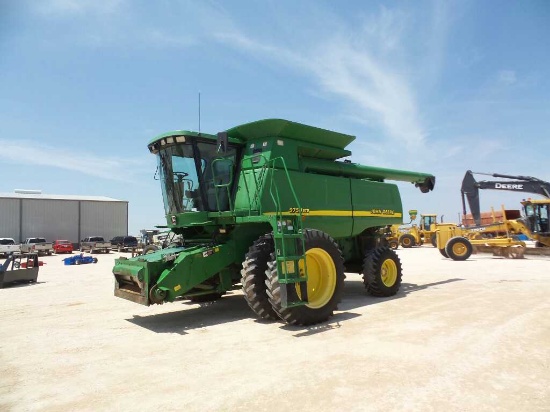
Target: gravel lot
471,335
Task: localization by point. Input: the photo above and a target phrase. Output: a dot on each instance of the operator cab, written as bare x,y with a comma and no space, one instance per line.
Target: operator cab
536,213
195,175
427,221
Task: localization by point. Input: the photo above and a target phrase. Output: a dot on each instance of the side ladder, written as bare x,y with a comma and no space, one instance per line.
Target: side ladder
289,244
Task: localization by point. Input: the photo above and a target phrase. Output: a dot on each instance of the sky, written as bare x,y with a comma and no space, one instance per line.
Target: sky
430,86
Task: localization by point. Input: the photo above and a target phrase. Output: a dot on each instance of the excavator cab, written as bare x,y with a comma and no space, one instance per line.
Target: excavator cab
536,214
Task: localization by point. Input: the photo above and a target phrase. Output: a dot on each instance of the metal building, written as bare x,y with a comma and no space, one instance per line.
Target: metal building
26,213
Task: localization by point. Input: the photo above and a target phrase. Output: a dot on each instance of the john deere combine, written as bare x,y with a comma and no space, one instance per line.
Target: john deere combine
267,205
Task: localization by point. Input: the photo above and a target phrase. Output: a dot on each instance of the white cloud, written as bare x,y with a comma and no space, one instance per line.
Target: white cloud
507,77
27,152
372,87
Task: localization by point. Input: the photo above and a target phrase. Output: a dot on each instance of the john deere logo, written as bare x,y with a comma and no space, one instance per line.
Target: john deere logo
174,220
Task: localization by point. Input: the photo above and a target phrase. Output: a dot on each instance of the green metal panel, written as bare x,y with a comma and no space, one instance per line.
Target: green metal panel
291,130
321,208
375,204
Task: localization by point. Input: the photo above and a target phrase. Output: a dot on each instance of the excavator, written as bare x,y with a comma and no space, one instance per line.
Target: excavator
453,242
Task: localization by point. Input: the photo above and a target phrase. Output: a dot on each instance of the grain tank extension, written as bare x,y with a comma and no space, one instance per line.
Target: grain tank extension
268,207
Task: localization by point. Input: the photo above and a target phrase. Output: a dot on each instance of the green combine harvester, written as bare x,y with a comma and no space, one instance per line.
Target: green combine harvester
266,206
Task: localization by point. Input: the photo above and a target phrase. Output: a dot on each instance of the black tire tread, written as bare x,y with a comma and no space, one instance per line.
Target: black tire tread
372,268
253,278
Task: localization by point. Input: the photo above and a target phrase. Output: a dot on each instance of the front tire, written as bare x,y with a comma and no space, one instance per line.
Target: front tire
382,272
325,271
254,277
459,248
407,240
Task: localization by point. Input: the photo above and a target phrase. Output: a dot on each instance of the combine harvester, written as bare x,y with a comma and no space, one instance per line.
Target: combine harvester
458,243
267,205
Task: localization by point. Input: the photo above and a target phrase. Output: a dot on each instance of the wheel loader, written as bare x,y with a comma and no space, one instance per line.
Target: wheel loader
458,243
418,235
269,208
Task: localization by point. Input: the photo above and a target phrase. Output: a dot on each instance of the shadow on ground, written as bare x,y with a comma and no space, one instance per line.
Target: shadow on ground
233,308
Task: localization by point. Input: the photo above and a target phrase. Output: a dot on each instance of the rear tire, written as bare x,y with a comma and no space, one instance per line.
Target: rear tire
443,253
254,277
407,240
382,272
394,244
459,248
325,267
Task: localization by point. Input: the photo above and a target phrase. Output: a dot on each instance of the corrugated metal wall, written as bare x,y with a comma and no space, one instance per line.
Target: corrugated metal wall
52,219
9,218
62,219
107,219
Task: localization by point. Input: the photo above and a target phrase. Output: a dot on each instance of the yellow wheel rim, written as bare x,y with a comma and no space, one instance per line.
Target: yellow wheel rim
321,273
388,272
459,249
406,242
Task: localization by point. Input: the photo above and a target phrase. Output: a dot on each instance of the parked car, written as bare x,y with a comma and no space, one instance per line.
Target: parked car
121,243
62,246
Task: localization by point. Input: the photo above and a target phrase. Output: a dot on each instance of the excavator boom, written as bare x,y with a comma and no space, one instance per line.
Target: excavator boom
525,184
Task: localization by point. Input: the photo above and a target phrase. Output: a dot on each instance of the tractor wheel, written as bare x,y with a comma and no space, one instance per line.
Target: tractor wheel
325,271
206,298
443,253
394,244
433,240
254,277
458,248
150,249
382,272
407,240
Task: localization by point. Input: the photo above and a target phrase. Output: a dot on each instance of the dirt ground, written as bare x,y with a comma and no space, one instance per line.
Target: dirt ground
468,336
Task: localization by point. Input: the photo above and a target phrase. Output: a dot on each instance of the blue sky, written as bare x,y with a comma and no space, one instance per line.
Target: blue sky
431,86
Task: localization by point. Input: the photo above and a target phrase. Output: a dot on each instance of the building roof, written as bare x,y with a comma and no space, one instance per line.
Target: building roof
45,196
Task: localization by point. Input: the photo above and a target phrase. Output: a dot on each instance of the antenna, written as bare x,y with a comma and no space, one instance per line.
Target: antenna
199,112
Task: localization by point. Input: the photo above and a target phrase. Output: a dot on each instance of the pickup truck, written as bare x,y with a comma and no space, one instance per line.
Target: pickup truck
8,246
95,244
37,245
